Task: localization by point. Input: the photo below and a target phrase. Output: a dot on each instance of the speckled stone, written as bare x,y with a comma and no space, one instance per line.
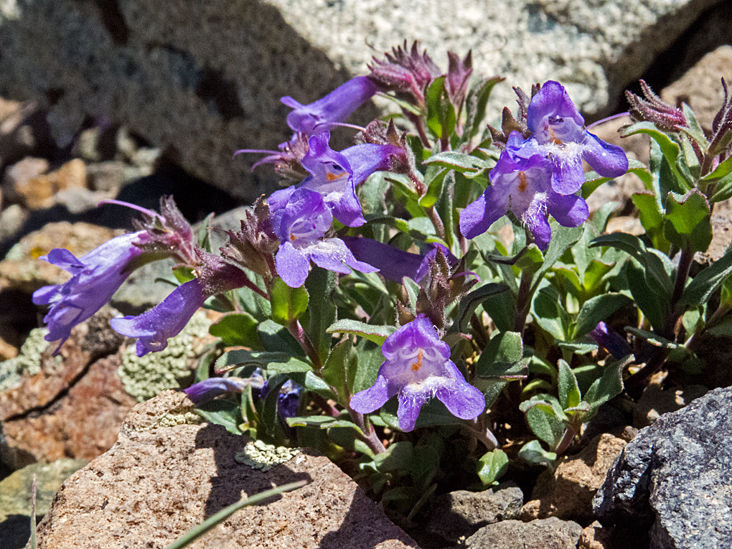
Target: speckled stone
157,482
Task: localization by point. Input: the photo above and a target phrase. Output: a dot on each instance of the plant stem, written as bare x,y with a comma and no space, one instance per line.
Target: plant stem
682,274
297,331
523,302
482,433
566,440
370,438
436,222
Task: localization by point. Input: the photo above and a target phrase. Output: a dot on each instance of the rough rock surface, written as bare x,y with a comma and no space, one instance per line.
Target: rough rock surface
202,79
15,497
462,513
72,406
550,533
158,481
567,493
676,474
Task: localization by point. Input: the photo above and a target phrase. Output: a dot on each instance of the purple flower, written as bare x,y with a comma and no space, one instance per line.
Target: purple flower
334,107
393,263
336,174
521,183
417,368
154,327
611,340
300,220
95,278
210,388
559,128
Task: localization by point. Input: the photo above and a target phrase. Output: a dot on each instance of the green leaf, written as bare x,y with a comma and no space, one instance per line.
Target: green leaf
534,454
569,393
275,338
504,348
237,329
651,218
608,386
412,290
322,310
288,304
183,274
688,221
492,466
470,302
340,369
370,360
376,334
562,239
597,309
460,162
545,425
440,111
708,281
221,412
669,148
396,457
593,180
280,362
433,180
652,338
475,105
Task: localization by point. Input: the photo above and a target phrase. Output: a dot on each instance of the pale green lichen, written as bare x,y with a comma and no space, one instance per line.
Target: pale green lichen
173,418
28,360
260,455
147,376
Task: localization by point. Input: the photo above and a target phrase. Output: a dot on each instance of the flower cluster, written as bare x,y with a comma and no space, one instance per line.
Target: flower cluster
539,175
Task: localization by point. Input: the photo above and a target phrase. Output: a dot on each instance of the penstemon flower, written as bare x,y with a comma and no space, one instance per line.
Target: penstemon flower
521,183
154,327
335,175
210,388
418,368
300,223
556,125
96,276
334,107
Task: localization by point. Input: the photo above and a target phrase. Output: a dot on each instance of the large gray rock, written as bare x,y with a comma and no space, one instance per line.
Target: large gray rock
677,474
202,79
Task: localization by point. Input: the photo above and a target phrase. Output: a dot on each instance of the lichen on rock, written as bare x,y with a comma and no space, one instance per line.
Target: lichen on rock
147,376
29,360
260,455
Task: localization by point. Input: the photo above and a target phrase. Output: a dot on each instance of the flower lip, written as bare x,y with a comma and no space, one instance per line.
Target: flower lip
417,367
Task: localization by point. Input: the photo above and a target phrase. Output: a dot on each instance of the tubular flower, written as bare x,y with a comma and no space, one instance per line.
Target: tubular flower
559,128
336,174
300,220
418,368
210,388
521,183
95,278
393,263
334,107
154,327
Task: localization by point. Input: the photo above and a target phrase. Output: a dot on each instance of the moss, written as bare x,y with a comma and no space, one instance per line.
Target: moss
28,360
260,455
173,418
144,377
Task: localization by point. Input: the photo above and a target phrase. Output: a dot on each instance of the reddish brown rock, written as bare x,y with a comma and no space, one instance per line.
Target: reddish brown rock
568,492
21,269
157,482
82,425
74,406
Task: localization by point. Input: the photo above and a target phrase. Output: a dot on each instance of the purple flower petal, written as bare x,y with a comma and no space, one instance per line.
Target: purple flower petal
411,401
460,397
334,107
568,175
552,115
606,159
166,320
334,255
368,158
615,344
210,388
373,398
539,227
568,210
292,265
477,217
97,276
